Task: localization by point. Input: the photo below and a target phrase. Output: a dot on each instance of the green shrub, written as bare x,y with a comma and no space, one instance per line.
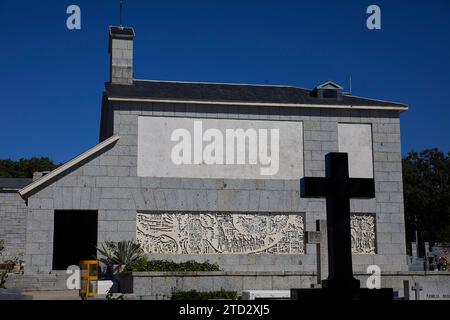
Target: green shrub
7,266
120,254
142,265
198,295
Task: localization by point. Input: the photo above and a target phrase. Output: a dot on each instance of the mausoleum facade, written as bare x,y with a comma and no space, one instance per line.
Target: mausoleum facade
192,201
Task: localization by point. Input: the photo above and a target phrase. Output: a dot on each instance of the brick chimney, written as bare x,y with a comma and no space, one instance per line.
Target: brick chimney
121,55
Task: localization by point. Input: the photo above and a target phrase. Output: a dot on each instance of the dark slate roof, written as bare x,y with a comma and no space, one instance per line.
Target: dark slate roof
121,31
14,183
167,90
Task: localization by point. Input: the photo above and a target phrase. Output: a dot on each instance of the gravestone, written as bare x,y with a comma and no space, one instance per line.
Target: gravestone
416,263
414,250
427,289
417,288
266,294
427,255
319,238
338,188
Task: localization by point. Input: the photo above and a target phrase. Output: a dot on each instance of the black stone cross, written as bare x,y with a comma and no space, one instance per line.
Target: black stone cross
338,188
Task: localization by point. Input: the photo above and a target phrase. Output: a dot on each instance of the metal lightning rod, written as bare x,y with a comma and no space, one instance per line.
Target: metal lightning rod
120,13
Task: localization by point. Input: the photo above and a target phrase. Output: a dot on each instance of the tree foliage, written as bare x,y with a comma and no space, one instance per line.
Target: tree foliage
426,180
24,168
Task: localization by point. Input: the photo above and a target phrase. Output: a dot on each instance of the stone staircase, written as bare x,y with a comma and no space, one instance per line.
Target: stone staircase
46,287
41,282
42,286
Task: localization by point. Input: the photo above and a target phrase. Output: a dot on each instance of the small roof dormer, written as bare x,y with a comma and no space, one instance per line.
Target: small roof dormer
328,90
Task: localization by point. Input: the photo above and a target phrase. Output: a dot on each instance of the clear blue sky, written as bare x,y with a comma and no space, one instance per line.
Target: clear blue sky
51,79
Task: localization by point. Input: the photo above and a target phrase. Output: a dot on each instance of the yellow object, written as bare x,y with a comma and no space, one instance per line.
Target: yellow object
88,278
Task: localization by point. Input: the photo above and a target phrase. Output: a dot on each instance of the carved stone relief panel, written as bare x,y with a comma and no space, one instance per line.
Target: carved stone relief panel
220,233
363,233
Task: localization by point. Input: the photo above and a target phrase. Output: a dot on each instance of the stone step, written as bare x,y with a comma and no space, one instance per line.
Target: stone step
52,295
41,282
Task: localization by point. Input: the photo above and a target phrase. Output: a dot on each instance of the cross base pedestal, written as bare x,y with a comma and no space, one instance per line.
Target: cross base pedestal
323,294
348,284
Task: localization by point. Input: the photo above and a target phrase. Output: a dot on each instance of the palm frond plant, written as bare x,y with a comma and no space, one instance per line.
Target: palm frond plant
119,254
4,273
